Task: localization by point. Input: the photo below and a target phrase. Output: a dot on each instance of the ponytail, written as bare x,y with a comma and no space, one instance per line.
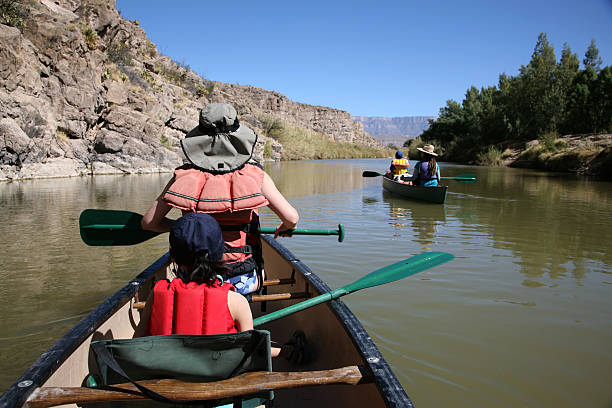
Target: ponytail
204,270
432,167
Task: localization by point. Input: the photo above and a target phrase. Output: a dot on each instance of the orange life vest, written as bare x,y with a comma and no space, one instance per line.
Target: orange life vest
232,199
190,308
400,166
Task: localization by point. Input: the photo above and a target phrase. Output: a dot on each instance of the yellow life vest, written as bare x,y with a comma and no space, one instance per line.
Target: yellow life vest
400,166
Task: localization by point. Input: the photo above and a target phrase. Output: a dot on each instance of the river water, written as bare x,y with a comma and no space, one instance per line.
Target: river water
521,317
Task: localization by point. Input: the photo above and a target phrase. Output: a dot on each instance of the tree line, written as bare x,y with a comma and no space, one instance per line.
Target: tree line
546,99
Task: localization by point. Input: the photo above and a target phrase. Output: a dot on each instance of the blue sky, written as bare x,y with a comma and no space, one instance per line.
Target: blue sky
395,58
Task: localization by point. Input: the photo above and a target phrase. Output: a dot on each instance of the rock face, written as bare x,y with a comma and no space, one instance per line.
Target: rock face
83,91
394,130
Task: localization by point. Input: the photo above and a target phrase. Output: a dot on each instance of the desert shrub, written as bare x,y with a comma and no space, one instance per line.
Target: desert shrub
151,50
165,142
149,79
561,144
548,140
90,36
267,153
204,89
272,126
119,53
13,13
490,157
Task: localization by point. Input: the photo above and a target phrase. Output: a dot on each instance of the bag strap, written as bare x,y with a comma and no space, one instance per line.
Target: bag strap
105,356
254,343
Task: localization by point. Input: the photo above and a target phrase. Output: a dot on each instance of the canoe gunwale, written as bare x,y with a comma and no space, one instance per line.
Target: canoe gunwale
49,361
391,390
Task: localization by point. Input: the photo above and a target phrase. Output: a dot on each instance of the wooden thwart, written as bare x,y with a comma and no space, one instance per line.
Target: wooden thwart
245,384
280,296
281,281
254,298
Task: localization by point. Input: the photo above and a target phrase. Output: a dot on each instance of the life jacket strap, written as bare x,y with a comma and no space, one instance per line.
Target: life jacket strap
238,227
247,249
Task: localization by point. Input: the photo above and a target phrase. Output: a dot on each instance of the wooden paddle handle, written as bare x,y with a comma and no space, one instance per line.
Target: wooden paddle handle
248,383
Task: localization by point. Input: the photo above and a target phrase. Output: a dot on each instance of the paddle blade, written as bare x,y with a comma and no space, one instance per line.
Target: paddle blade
112,227
371,174
400,270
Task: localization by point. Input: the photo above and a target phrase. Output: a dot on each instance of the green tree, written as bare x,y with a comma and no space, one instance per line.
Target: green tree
592,58
601,101
567,69
540,109
579,117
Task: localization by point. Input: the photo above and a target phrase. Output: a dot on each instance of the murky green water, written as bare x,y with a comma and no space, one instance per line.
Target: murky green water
521,317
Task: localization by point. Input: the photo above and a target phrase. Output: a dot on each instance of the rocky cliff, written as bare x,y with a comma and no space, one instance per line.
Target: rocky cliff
83,91
394,130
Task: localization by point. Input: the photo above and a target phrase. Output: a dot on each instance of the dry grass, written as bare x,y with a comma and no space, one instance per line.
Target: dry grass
304,144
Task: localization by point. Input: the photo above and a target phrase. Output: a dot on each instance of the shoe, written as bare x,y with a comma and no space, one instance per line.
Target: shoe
297,350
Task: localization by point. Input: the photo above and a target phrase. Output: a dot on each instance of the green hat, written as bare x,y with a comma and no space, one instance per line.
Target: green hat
219,144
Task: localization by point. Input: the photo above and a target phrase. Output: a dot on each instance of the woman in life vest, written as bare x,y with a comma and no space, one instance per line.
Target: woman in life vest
197,301
399,167
220,179
426,171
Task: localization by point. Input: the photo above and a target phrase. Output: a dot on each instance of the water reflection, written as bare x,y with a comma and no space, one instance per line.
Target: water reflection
421,218
307,178
532,256
545,219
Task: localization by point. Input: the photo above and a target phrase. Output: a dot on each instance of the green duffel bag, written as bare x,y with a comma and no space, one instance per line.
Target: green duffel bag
194,358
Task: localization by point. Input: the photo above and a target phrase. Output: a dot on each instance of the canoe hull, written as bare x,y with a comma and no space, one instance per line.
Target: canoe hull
430,194
337,336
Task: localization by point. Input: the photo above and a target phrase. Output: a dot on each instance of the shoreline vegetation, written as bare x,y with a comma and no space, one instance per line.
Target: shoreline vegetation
551,116
300,143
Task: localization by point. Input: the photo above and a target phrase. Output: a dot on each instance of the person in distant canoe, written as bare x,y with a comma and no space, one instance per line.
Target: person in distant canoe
221,179
399,167
426,171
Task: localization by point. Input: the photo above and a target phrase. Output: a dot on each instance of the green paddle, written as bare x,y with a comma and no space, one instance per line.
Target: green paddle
462,178
390,273
115,227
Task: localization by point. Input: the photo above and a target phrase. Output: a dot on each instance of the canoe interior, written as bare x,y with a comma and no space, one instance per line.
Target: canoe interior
431,194
334,332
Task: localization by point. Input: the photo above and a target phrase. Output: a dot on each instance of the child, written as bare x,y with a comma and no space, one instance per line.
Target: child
198,301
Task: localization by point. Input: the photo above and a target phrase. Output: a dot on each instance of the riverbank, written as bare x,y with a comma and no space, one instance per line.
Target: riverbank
589,155
585,154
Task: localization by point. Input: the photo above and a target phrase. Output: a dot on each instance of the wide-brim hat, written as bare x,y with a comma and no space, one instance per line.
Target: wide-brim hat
427,149
219,143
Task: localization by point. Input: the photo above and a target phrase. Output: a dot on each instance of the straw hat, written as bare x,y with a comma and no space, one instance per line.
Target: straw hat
219,144
427,149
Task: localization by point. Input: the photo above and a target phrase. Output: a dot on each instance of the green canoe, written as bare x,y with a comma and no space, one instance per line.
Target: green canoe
430,194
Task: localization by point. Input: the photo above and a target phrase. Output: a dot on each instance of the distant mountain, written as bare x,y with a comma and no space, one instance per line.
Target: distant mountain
394,130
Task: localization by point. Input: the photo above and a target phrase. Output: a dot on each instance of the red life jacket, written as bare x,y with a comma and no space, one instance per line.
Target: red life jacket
190,308
232,199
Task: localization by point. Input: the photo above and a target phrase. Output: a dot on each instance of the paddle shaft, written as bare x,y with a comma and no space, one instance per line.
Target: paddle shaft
387,274
297,231
243,384
461,177
118,227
